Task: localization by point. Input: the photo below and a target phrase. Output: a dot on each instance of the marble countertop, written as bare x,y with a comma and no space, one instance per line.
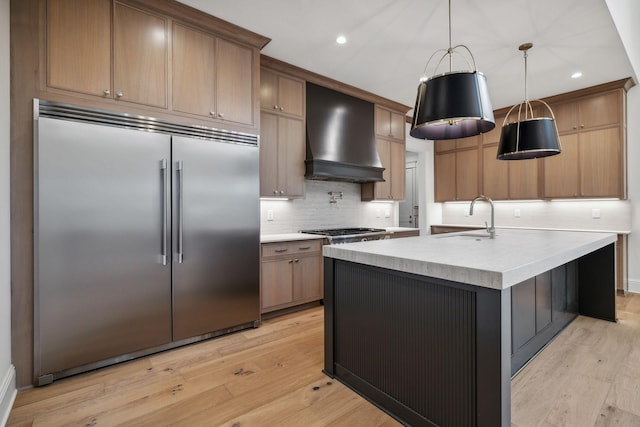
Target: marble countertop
471,257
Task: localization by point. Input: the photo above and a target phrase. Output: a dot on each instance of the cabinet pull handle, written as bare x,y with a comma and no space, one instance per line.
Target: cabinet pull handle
120,94
163,169
304,248
282,250
106,92
180,179
296,260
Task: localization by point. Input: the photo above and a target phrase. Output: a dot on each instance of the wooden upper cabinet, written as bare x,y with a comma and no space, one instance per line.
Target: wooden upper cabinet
140,56
561,172
600,160
467,186
495,174
389,124
445,176
392,157
282,94
398,170
468,142
523,179
193,71
282,152
234,82
589,112
79,46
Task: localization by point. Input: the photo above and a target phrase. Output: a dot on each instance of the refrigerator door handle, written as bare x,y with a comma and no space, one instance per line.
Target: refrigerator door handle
180,178
163,169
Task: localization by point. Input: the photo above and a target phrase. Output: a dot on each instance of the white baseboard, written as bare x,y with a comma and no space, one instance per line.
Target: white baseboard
633,286
8,394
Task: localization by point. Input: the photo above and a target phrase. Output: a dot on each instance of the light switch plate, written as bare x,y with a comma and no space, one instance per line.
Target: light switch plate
595,213
516,213
270,215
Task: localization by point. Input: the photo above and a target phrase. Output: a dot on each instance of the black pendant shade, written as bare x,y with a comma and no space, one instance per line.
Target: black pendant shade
529,139
452,105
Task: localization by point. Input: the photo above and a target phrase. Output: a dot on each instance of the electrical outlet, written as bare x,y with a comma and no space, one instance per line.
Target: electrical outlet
595,213
387,213
516,213
378,213
465,211
270,215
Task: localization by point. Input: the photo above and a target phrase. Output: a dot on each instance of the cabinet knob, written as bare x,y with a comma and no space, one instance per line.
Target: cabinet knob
221,115
120,94
281,108
290,261
212,113
296,260
275,192
106,92
275,107
281,191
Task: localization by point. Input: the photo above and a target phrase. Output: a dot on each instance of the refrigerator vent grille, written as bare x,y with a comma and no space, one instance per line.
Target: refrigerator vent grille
130,121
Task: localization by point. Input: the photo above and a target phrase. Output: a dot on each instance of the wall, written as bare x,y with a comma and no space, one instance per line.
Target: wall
625,14
315,211
7,371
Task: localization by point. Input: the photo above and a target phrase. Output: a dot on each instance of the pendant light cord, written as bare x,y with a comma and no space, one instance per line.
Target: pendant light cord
450,50
526,97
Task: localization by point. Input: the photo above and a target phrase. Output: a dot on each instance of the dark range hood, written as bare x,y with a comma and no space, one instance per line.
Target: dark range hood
341,144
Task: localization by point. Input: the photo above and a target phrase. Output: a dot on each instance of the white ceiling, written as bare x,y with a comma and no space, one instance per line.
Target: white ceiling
390,41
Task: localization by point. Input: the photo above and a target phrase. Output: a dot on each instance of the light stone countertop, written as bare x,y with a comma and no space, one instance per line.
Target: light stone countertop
287,237
398,229
618,231
471,257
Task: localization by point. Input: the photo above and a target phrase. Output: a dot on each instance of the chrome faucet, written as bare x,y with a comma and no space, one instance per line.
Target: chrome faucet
491,230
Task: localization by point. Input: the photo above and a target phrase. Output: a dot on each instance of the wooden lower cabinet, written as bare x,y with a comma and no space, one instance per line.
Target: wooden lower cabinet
291,274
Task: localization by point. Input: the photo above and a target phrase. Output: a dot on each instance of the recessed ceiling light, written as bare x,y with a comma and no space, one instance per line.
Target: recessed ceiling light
341,40
576,75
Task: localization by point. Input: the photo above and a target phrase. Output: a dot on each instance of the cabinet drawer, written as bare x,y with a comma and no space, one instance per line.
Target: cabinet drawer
290,248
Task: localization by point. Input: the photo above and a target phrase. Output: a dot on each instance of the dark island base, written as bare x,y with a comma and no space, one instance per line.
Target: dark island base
438,353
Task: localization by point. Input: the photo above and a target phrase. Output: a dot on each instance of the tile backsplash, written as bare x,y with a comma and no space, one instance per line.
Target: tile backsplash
316,211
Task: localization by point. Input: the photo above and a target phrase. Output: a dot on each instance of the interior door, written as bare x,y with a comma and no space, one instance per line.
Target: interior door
101,287
216,229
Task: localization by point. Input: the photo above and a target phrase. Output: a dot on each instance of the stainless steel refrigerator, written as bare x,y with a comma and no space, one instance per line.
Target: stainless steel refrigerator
145,237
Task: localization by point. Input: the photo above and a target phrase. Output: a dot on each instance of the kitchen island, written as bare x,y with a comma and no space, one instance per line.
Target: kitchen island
430,328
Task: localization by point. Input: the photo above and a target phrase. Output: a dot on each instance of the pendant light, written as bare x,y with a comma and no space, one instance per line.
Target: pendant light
454,104
528,137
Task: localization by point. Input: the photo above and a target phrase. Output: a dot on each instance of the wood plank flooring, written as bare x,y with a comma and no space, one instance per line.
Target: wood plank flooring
271,376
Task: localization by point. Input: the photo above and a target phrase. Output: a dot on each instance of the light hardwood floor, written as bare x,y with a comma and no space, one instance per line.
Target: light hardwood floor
271,376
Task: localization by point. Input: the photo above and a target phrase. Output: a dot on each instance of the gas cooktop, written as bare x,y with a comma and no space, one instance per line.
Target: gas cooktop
344,231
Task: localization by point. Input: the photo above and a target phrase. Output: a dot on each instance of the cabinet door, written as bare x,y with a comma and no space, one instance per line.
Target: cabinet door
268,155
466,174
291,155
445,176
291,96
523,313
397,125
382,189
523,179
140,57
268,90
495,174
566,115
600,160
79,46
600,110
193,71
397,166
307,278
383,122
234,82
561,171
276,283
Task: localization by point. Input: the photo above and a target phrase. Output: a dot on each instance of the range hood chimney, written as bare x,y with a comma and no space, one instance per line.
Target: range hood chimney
341,144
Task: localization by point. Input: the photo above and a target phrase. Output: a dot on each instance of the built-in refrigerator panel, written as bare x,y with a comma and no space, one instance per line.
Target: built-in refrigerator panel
216,236
102,213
